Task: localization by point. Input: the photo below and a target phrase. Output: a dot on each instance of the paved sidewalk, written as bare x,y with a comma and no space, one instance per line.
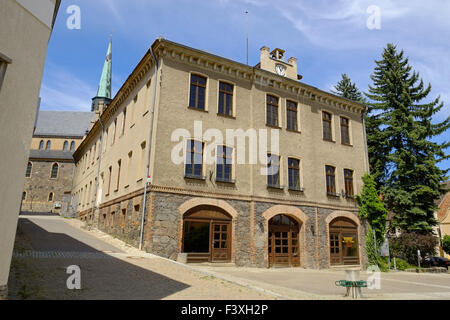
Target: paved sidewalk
297,283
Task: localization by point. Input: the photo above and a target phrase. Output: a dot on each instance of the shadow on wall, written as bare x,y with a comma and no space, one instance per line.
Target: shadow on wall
43,270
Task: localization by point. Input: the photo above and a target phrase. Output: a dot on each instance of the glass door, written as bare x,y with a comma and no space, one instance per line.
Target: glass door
220,246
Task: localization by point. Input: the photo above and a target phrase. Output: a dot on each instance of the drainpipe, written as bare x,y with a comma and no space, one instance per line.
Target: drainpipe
98,167
69,206
147,169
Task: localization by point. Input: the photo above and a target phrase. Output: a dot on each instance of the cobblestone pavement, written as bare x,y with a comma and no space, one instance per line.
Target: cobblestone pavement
46,246
116,270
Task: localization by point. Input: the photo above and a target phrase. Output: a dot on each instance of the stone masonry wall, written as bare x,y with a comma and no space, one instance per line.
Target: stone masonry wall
162,233
39,186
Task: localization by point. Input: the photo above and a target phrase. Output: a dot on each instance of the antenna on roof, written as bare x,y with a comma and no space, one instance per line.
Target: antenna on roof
246,27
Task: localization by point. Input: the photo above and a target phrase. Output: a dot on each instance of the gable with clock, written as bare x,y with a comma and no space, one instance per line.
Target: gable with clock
274,61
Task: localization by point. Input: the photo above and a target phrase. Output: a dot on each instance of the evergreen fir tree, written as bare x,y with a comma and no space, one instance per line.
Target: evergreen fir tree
403,159
347,89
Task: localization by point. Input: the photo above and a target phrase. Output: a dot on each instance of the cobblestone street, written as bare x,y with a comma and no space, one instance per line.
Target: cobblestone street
47,245
110,269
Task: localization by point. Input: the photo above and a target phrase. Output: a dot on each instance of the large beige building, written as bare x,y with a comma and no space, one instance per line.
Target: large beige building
25,28
155,172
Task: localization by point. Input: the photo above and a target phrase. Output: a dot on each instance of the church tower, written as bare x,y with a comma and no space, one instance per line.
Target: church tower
103,97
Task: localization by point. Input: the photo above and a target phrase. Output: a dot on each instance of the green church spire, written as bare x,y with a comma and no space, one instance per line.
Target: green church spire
104,88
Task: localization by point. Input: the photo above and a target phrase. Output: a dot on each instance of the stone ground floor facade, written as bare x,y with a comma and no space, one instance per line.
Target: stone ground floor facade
249,238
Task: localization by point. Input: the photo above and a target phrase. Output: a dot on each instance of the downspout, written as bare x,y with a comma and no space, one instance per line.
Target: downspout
70,205
147,169
100,151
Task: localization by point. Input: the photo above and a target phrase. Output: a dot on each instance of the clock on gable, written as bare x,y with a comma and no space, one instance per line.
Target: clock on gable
280,69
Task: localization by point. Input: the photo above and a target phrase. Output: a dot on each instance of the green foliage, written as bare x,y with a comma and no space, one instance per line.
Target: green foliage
406,245
347,89
403,158
402,265
446,244
371,207
372,251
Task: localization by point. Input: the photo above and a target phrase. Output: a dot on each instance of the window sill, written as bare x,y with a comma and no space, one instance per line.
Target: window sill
349,196
231,181
278,187
327,140
197,109
347,144
332,194
139,180
202,178
272,126
296,189
294,131
226,115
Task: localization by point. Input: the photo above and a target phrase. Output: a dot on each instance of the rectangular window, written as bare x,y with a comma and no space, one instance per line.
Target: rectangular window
348,180
29,168
273,170
124,120
4,61
291,114
294,173
331,185
119,164
123,218
198,92
115,130
226,99
224,163
326,120
109,179
194,159
272,111
345,131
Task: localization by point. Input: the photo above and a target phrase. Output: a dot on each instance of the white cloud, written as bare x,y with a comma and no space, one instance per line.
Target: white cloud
63,90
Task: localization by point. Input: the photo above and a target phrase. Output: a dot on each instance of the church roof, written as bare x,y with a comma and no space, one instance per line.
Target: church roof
51,155
63,123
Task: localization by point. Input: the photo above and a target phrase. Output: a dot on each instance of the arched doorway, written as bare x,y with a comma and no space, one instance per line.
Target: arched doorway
283,244
343,242
207,234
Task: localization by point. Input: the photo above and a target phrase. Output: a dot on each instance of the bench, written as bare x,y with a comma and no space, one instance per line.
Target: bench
352,283
353,287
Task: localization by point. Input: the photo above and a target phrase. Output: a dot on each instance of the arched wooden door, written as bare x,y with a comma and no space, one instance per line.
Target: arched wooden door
344,242
207,234
284,247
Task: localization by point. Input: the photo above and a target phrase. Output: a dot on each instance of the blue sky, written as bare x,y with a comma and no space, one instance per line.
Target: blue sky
328,38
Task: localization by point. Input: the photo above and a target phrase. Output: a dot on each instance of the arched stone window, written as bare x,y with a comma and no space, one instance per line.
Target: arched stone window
66,145
24,196
41,145
50,196
72,146
48,145
55,168
29,168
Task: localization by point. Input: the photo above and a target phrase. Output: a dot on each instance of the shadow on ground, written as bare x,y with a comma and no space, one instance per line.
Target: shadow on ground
42,274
